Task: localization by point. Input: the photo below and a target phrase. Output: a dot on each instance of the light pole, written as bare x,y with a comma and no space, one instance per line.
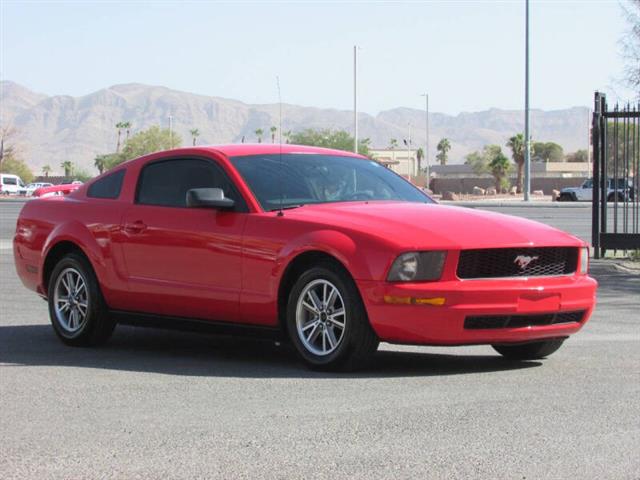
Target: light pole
527,140
426,124
355,99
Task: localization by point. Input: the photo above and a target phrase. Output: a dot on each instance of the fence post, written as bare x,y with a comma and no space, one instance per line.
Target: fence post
595,198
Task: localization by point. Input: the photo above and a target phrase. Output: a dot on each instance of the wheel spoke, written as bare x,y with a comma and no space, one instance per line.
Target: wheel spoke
337,323
324,340
78,284
64,307
70,282
331,337
324,295
314,333
311,308
332,298
314,298
309,325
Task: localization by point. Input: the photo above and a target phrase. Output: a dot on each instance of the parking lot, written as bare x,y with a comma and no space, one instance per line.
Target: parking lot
157,404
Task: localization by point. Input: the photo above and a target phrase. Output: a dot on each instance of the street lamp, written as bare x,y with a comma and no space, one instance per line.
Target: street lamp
426,121
527,140
355,99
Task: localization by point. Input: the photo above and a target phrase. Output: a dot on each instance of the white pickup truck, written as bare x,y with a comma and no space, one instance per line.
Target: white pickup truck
584,193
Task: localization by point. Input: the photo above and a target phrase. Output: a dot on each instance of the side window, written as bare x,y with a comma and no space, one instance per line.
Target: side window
107,187
166,182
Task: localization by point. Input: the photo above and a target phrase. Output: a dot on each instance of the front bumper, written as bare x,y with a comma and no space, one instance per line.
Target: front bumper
428,324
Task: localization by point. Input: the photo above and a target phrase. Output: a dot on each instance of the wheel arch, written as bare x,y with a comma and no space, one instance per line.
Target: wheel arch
298,265
54,254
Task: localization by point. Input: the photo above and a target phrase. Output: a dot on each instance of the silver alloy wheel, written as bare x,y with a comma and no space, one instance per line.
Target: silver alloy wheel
320,317
71,300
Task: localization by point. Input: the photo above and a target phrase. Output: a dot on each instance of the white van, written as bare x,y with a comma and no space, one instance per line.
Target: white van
10,184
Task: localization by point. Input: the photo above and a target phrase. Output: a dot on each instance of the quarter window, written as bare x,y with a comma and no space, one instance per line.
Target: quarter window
166,182
107,187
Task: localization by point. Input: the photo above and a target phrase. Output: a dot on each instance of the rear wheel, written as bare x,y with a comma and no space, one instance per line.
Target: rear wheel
77,310
327,322
567,197
529,351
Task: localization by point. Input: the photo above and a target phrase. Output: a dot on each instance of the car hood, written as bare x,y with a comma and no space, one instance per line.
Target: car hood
417,225
569,189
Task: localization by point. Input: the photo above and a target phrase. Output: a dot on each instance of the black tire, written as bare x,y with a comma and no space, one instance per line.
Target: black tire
358,342
529,351
612,197
566,197
97,326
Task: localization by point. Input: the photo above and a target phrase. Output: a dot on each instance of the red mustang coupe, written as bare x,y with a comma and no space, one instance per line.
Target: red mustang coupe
329,248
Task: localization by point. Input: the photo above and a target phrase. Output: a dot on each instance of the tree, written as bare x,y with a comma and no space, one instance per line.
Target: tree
287,136
153,139
499,168
15,166
5,133
547,152
443,149
259,132
419,157
631,45
273,134
480,161
195,133
579,156
101,162
46,170
67,165
337,139
119,126
82,175
393,144
516,144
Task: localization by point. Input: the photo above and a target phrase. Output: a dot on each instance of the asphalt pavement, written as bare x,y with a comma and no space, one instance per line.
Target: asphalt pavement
157,404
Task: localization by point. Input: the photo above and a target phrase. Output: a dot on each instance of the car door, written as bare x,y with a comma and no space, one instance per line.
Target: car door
182,261
586,191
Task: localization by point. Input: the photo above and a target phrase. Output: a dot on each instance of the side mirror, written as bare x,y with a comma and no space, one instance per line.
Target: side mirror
208,198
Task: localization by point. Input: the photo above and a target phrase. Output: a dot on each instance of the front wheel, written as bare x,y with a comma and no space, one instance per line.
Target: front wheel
77,310
327,322
529,351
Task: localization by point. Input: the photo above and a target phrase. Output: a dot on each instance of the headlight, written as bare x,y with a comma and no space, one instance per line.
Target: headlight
584,260
417,267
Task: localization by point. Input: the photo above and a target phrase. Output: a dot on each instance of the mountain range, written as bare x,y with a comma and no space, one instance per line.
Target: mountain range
53,129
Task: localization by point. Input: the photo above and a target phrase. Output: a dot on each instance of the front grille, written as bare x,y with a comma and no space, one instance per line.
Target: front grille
517,321
517,262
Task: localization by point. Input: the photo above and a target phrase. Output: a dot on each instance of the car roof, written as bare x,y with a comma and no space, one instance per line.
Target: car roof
242,149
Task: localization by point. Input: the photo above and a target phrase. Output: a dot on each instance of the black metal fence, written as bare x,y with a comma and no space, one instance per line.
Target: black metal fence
616,179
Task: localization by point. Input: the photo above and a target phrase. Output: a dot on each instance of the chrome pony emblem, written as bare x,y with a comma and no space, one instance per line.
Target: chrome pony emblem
523,261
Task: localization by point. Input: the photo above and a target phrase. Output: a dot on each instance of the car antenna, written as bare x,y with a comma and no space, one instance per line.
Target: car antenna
280,212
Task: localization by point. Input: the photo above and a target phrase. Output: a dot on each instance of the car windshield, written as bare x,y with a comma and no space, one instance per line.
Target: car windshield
291,180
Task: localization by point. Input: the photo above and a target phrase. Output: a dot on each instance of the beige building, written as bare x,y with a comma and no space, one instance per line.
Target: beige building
401,161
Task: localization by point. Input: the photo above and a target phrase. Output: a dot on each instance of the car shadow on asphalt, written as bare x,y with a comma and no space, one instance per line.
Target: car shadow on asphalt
187,354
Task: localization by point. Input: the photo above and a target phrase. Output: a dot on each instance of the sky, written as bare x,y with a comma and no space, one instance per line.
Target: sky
468,55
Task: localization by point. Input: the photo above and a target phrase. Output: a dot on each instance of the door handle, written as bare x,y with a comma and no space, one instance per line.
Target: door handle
135,227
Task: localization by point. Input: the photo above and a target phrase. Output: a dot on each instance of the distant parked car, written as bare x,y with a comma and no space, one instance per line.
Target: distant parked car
10,184
584,193
32,187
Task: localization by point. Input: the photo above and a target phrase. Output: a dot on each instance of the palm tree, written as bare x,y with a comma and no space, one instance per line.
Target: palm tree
259,133
127,127
287,135
119,126
195,133
273,131
443,149
516,144
393,144
419,157
68,168
46,170
100,162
